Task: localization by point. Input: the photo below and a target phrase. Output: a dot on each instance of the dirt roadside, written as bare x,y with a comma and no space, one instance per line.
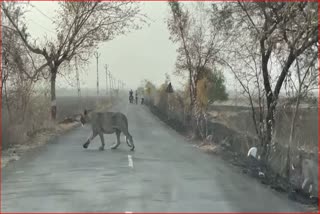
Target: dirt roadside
251,167
223,148
41,138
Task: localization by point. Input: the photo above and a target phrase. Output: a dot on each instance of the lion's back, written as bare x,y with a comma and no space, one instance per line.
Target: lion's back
109,120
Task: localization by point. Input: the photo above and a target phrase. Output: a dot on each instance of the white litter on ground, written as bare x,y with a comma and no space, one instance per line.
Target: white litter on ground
253,152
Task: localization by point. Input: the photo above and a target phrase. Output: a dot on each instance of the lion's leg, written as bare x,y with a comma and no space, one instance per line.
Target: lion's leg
102,141
86,144
132,145
118,132
129,140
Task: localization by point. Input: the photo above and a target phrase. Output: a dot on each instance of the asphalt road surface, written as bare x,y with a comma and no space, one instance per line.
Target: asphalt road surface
164,174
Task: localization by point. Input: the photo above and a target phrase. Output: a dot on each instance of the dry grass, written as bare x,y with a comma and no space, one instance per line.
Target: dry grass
36,129
19,126
70,105
41,138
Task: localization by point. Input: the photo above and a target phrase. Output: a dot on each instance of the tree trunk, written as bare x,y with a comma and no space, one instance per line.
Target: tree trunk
7,102
53,94
194,113
293,122
270,111
272,99
270,124
265,55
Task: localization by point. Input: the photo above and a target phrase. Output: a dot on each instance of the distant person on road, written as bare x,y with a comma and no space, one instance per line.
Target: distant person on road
131,96
136,97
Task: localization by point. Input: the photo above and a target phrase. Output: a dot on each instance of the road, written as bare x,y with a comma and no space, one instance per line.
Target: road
164,174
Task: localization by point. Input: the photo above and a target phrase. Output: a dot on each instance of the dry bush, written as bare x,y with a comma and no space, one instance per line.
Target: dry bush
38,113
72,105
23,123
103,104
171,107
306,127
161,100
11,132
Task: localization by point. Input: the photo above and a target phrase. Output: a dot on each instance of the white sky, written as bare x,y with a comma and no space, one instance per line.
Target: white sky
142,54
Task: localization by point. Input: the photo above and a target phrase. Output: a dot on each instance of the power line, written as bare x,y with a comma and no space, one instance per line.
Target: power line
32,5
110,83
42,26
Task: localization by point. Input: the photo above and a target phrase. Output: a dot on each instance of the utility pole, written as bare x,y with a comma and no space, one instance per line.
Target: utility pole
78,83
114,86
118,86
97,55
106,67
110,83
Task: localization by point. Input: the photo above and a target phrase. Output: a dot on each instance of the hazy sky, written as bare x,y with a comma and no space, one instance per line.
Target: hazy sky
142,54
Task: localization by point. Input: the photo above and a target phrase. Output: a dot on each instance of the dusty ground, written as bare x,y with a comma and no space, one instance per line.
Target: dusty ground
252,168
14,153
41,138
246,166
163,174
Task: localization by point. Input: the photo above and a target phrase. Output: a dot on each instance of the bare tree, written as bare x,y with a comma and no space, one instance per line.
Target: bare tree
282,31
293,27
80,27
198,46
19,71
247,71
301,87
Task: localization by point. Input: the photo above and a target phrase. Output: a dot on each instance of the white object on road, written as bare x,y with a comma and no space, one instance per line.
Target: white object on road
261,174
253,152
310,188
130,161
